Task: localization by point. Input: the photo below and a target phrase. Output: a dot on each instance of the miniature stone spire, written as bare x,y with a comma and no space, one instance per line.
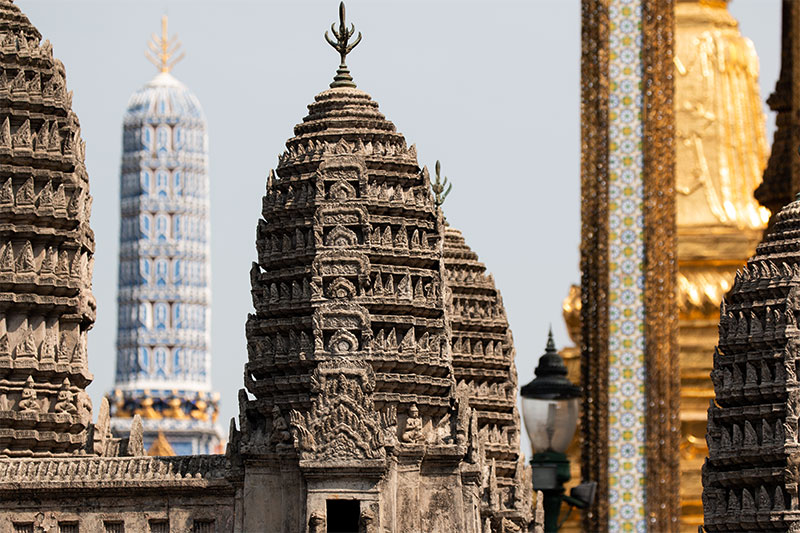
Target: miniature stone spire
753,418
343,45
351,366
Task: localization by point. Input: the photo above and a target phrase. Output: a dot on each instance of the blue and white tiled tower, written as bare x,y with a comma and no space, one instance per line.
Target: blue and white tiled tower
163,339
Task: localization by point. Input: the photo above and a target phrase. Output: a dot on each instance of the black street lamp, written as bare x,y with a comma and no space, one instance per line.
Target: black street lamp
550,411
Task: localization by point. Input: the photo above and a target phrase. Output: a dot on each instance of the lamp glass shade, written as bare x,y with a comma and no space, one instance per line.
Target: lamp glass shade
550,424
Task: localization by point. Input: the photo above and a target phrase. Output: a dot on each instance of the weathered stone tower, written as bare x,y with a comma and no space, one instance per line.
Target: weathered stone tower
356,415
483,366
46,247
750,477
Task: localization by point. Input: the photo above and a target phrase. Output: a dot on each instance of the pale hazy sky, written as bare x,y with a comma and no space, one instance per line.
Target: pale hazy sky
490,88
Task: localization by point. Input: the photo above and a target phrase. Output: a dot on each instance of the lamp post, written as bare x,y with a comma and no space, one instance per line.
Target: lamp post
550,411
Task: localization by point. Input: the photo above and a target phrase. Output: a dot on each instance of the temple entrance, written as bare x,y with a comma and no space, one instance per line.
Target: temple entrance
342,515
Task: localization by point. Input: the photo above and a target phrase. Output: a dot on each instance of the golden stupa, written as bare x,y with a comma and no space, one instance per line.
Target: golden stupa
721,152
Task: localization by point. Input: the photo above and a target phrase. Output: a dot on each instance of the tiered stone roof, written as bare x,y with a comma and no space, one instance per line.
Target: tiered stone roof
483,366
351,354
349,266
750,478
46,249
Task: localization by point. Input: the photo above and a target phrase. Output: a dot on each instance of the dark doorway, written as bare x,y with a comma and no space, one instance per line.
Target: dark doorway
343,516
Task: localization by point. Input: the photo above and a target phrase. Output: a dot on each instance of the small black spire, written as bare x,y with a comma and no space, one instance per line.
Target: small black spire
551,376
551,344
343,46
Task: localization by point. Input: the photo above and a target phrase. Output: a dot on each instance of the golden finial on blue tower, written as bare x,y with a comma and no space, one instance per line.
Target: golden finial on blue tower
163,49
343,45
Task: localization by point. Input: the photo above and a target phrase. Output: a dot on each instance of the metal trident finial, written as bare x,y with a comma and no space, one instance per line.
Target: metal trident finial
440,186
343,45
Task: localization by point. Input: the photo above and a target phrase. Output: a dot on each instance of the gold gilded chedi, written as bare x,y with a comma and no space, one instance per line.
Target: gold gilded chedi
721,152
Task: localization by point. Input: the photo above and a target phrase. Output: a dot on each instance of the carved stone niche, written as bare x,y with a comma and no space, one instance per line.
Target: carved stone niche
344,177
340,275
342,425
341,329
24,340
344,226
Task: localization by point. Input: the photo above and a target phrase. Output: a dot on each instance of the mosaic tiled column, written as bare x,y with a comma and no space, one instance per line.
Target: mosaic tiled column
628,266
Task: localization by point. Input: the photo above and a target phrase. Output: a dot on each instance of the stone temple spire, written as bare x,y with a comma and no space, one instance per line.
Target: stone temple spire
351,397
163,340
751,474
46,250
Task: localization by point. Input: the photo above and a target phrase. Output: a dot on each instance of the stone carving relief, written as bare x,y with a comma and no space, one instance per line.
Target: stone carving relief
342,172
343,342
27,348
341,237
254,437
28,402
412,433
316,523
342,423
84,408
337,322
280,436
5,350
64,403
367,522
389,425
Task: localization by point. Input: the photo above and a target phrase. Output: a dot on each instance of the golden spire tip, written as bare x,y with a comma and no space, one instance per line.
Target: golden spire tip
163,49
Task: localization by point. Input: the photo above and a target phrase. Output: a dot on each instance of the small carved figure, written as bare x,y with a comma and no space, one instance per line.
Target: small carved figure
366,522
280,429
28,402
84,407
26,261
413,431
28,346
463,416
65,403
49,348
316,523
4,348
